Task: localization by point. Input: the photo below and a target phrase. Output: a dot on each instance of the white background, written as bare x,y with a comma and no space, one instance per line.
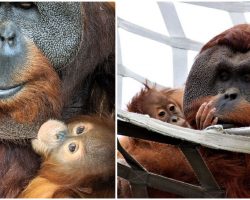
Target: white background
153,60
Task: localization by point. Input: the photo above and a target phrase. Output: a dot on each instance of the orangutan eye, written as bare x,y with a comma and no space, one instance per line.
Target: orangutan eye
161,114
72,147
80,130
171,107
224,76
24,5
246,78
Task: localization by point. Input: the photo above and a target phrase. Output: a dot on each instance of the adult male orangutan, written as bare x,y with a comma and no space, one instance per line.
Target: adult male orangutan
225,91
57,61
222,96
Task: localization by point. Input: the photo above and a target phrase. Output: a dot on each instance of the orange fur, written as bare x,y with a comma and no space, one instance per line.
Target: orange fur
41,188
156,157
87,173
112,4
237,37
40,96
158,103
231,170
175,95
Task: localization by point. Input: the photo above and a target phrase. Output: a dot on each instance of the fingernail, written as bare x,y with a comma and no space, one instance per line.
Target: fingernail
209,103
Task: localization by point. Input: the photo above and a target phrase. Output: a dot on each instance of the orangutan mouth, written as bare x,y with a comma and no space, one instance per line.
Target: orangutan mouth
10,91
227,124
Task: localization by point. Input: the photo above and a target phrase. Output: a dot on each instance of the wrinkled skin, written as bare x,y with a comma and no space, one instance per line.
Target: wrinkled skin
227,86
57,61
222,96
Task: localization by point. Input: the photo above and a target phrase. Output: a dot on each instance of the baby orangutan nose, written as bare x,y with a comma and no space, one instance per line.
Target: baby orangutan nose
174,119
78,159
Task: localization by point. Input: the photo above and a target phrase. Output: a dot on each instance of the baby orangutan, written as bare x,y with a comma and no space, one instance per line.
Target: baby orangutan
78,159
165,105
164,159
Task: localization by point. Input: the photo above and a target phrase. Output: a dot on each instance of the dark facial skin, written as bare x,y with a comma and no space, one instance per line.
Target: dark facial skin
32,21
50,50
62,38
21,22
226,89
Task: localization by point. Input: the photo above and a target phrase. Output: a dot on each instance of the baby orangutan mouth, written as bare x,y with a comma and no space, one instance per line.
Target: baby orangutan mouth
78,159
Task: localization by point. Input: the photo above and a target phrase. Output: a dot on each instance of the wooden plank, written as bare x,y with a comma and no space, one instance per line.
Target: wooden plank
132,130
215,137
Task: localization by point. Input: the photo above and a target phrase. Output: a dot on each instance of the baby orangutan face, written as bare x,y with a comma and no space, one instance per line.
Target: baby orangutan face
163,106
86,145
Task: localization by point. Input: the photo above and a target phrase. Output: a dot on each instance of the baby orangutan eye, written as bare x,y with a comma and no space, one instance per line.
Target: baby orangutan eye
72,147
171,107
80,130
162,114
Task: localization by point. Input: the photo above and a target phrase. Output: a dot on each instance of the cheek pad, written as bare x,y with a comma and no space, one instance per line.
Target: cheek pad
57,30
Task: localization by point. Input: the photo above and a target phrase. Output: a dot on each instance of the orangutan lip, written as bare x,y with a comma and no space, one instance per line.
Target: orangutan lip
8,92
226,124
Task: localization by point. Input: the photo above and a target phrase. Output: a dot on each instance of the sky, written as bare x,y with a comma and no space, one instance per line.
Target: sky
154,60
